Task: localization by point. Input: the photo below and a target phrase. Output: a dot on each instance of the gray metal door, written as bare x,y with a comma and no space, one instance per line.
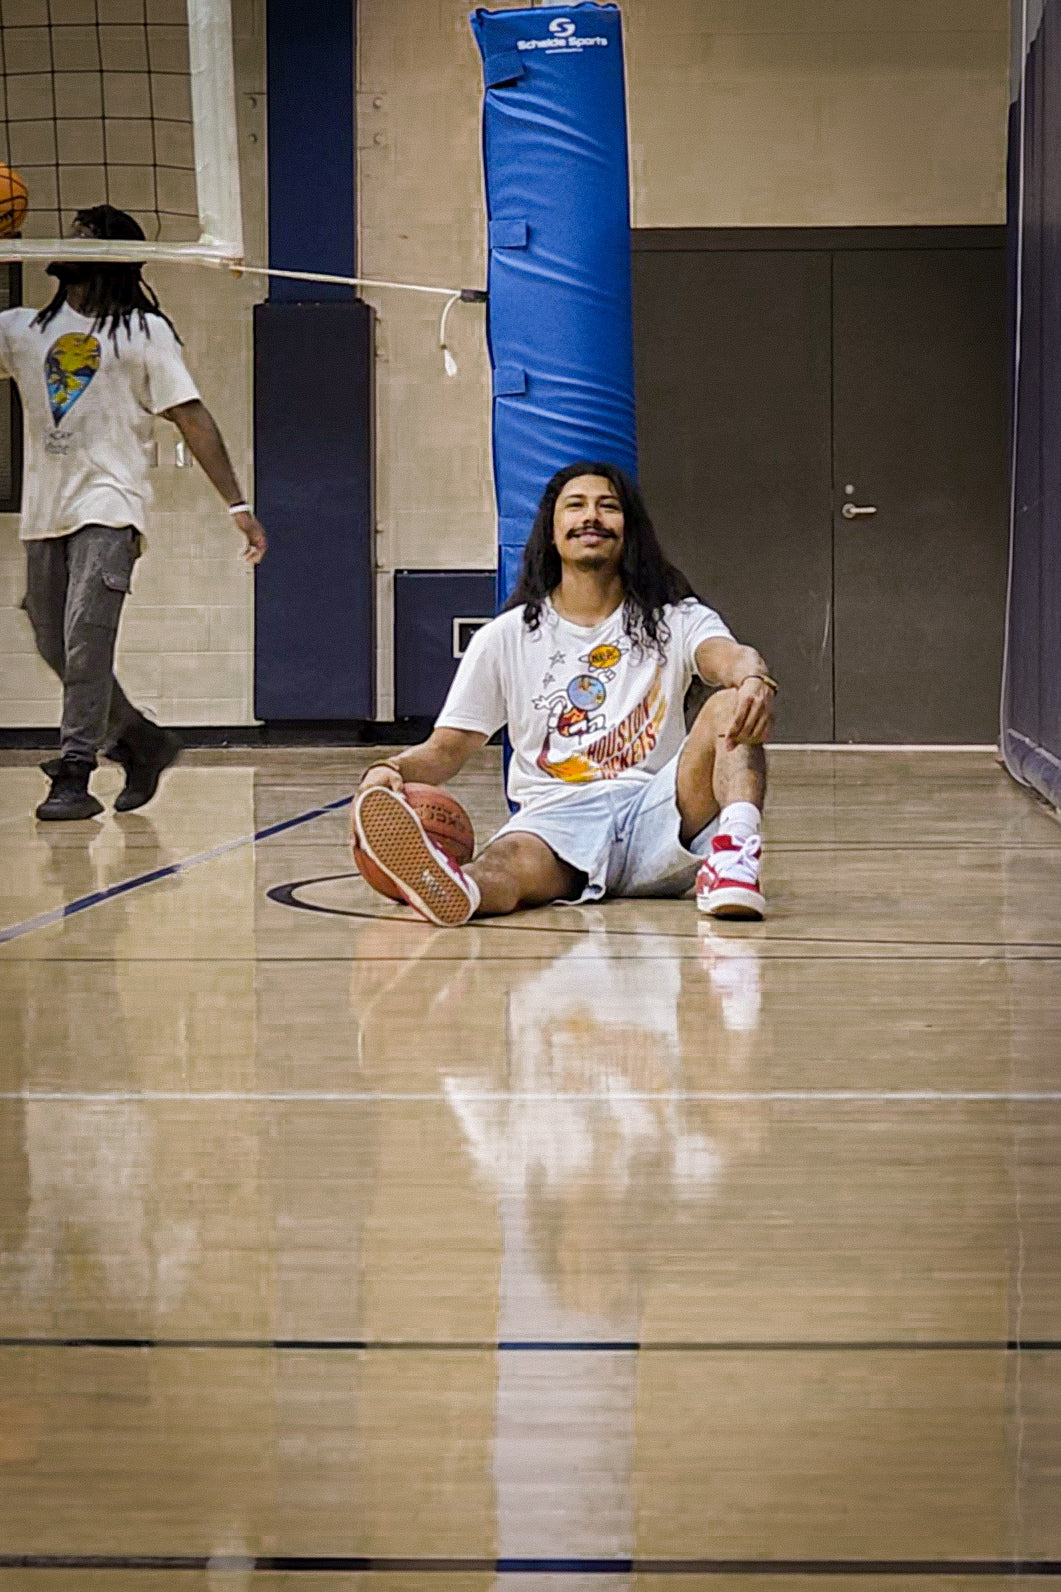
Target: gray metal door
920,520
776,371
732,354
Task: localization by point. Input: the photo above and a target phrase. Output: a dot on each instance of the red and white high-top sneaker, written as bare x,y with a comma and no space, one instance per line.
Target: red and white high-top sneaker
727,885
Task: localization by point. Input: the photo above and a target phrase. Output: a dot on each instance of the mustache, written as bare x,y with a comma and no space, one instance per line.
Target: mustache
595,526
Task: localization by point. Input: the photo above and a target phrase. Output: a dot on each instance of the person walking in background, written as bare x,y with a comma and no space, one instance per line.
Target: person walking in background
93,368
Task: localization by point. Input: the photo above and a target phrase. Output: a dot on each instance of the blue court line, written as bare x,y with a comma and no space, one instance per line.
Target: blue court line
44,920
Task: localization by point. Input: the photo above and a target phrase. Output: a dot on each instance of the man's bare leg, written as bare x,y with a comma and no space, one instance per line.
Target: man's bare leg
520,870
711,773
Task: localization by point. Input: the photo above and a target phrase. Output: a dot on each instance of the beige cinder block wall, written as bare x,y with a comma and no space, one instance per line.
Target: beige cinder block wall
742,113
421,219
186,645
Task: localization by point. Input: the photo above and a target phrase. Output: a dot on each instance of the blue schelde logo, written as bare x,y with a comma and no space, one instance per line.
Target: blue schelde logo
563,37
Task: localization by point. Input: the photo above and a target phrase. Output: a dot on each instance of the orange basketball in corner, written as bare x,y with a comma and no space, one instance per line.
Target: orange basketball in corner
14,202
445,823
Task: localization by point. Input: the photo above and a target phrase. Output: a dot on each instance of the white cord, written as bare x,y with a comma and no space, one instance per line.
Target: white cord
452,295
342,281
447,358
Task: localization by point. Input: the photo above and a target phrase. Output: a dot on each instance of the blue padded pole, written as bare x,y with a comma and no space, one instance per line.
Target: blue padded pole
557,199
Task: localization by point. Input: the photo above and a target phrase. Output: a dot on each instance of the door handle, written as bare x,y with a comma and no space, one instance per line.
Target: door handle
852,511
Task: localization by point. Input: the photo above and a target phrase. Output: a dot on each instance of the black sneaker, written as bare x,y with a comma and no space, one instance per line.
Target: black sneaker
144,754
69,796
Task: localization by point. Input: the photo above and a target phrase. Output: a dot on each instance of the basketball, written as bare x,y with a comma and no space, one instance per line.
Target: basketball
14,200
445,823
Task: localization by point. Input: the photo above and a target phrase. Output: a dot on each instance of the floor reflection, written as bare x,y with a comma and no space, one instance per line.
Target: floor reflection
591,1137
86,1216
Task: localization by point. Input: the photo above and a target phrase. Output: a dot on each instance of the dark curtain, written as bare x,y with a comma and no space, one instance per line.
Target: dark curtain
1031,708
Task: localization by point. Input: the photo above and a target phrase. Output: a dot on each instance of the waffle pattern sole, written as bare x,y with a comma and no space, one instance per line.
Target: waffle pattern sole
732,902
392,835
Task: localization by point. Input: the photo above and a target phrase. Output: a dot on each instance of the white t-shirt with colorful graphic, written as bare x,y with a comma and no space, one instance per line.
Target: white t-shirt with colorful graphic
88,406
581,704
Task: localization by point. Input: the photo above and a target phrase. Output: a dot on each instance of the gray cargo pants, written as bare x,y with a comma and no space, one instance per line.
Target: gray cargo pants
75,587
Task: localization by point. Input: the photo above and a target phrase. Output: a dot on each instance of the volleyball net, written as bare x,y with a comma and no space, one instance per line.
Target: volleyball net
125,102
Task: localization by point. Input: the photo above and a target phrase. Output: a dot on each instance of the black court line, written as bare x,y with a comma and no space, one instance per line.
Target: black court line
974,954
552,1346
798,847
527,1565
286,895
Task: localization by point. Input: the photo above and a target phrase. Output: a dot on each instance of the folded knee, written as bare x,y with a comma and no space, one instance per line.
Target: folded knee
716,715
520,855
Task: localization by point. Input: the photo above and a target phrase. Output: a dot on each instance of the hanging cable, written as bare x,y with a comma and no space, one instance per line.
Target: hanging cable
452,295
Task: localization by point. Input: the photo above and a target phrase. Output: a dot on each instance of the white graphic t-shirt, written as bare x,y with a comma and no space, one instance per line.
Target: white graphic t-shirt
88,408
580,704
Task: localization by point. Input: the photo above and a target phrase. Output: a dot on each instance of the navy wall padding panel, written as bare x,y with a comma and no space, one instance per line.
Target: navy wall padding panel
426,602
310,108
1031,715
314,591
557,197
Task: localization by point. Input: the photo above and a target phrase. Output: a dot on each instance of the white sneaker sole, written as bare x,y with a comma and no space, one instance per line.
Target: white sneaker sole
390,833
732,901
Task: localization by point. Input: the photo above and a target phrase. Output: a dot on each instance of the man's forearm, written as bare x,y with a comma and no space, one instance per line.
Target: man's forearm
744,662
431,763
199,430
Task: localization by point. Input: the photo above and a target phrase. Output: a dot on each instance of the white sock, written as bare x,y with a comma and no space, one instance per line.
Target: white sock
741,820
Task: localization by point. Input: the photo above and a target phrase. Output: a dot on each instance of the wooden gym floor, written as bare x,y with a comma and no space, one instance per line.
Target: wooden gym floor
594,1249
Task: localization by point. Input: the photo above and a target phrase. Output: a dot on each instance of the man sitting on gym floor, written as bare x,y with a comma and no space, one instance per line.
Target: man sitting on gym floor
588,666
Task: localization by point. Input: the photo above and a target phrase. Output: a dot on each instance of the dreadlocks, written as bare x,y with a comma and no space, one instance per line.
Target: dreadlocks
113,293
649,580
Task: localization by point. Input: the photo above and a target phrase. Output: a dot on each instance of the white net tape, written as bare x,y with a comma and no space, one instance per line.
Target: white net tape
128,102
132,103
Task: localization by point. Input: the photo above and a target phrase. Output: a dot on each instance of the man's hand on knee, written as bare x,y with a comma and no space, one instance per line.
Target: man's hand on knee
753,717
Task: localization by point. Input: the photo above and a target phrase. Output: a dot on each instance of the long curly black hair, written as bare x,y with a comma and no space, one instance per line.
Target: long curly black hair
649,580
115,292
